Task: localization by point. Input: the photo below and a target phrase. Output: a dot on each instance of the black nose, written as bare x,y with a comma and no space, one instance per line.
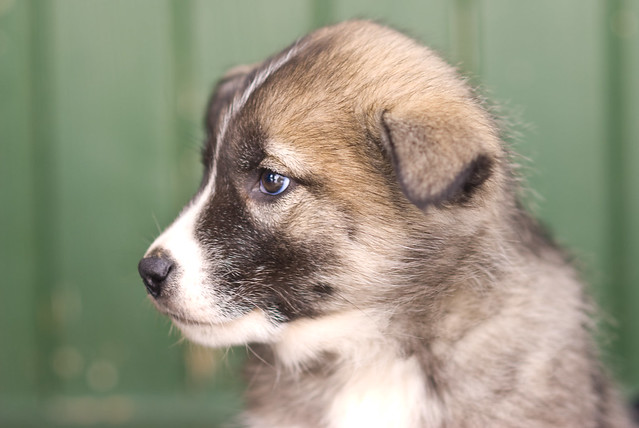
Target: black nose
154,272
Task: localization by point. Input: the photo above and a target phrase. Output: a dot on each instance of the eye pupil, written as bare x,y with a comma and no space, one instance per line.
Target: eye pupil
273,183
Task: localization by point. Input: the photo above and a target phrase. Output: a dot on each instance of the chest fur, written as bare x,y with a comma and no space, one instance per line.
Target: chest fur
387,393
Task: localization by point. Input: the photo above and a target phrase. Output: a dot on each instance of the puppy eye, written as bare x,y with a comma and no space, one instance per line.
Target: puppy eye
272,183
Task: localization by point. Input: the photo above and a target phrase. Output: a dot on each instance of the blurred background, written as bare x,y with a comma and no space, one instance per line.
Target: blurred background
100,112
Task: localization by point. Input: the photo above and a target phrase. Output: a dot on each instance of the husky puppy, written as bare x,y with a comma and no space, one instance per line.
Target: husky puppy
358,225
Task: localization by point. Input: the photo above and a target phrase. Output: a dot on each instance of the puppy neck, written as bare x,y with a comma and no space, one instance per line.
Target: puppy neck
354,337
368,377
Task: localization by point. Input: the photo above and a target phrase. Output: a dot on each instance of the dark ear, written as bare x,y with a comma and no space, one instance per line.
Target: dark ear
223,95
442,158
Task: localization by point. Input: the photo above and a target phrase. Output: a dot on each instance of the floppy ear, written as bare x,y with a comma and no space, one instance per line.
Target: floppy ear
439,158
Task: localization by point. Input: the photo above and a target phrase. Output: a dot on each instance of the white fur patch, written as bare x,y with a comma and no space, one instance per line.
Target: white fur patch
192,298
389,392
179,241
375,387
344,333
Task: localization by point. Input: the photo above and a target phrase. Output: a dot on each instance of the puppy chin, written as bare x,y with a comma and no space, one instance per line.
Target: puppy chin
254,327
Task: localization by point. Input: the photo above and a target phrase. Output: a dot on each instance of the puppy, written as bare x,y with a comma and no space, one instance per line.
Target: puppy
357,223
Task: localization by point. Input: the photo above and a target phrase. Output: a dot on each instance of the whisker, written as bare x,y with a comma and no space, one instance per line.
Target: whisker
157,223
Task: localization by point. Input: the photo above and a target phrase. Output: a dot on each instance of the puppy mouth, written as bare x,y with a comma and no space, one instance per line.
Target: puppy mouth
251,327
183,321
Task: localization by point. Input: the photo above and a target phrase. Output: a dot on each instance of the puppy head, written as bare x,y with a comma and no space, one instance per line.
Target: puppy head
335,173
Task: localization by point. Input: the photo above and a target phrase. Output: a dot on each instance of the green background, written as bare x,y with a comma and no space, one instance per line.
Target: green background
100,111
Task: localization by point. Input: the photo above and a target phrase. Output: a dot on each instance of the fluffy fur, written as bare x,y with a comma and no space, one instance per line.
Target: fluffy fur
396,281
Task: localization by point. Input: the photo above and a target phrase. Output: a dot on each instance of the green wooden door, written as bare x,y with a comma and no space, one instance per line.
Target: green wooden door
100,110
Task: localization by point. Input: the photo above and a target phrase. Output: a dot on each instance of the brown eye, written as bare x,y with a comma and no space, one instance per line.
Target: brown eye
272,183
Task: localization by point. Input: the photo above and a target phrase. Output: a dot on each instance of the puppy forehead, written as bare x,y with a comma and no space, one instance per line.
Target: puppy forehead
259,137
315,100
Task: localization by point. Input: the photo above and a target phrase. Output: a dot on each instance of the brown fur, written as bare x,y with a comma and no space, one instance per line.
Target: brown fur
400,255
